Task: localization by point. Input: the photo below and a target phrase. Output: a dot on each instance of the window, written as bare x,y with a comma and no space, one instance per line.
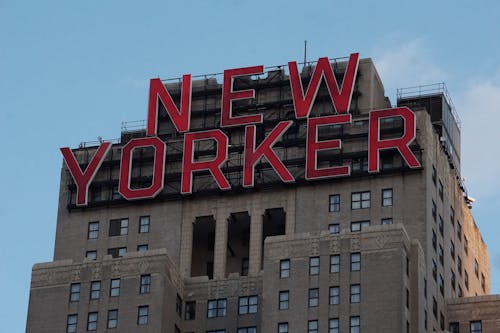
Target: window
143,315
178,305
483,282
358,226
425,288
144,224
453,328
407,298
335,263
334,295
142,247
476,327
145,286
117,252
71,323
441,225
284,299
459,231
441,284
425,319
216,308
334,228
459,265
355,261
434,239
314,266
476,268
434,209
118,227
74,292
452,250
283,328
313,297
386,221
466,245
91,255
244,266
441,321
333,325
434,174
92,321
312,326
114,288
93,232
360,200
112,318
95,289
440,189
453,280
190,313
440,254
217,331
452,216
387,197
355,293
355,324
434,307
434,269
284,268
466,279
247,305
334,205
252,329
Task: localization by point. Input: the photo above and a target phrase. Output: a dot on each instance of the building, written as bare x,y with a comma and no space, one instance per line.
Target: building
390,251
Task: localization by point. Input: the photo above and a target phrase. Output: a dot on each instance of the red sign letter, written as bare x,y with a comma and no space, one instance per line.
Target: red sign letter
313,146
179,118
252,155
402,144
83,179
341,98
228,95
189,165
126,168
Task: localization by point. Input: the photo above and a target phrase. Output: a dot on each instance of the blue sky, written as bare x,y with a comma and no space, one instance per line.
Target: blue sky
71,71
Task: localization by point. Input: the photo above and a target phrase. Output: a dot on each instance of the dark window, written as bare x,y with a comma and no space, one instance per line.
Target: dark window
92,321
355,293
334,228
93,231
217,331
440,189
333,325
190,313
459,265
452,216
313,265
483,282
454,328
283,328
216,308
178,305
434,209
145,286
358,226
440,254
452,250
355,324
476,327
114,288
117,252
441,321
248,304
355,261
144,224
284,268
434,269
244,266
112,318
284,299
434,174
441,284
360,200
441,225
252,329
74,292
118,227
466,279
434,307
95,289
312,326
313,297
71,323
335,263
334,203
425,288
476,268
425,319
466,245
334,295
387,197
143,315
386,221
453,280
459,231
434,239
91,255
142,247
407,298
460,291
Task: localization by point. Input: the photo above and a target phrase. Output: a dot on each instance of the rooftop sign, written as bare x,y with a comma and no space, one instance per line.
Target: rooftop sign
303,101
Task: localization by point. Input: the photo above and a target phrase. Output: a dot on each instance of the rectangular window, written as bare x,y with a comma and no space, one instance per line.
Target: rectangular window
459,231
143,315
355,324
333,325
452,216
252,329
313,297
434,240
313,265
334,228
358,226
440,189
247,305
355,293
91,255
144,224
425,319
434,174
386,221
460,291
452,250
459,265
112,318
483,282
114,288
334,295
434,210
440,254
466,279
244,266
407,298
387,197
216,308
284,299
118,227
355,261
453,280
441,284
145,286
476,327
92,321
117,252
74,292
178,305
71,323
360,200
441,225
283,328
434,307
142,247
466,245
95,289
217,331
312,326
434,269
190,313
476,268
335,263
454,328
334,203
93,231
284,268
441,321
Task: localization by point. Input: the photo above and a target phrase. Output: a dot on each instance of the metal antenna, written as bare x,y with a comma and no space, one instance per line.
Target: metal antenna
305,52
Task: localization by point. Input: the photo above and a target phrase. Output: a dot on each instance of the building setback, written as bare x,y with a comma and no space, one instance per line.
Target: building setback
393,251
